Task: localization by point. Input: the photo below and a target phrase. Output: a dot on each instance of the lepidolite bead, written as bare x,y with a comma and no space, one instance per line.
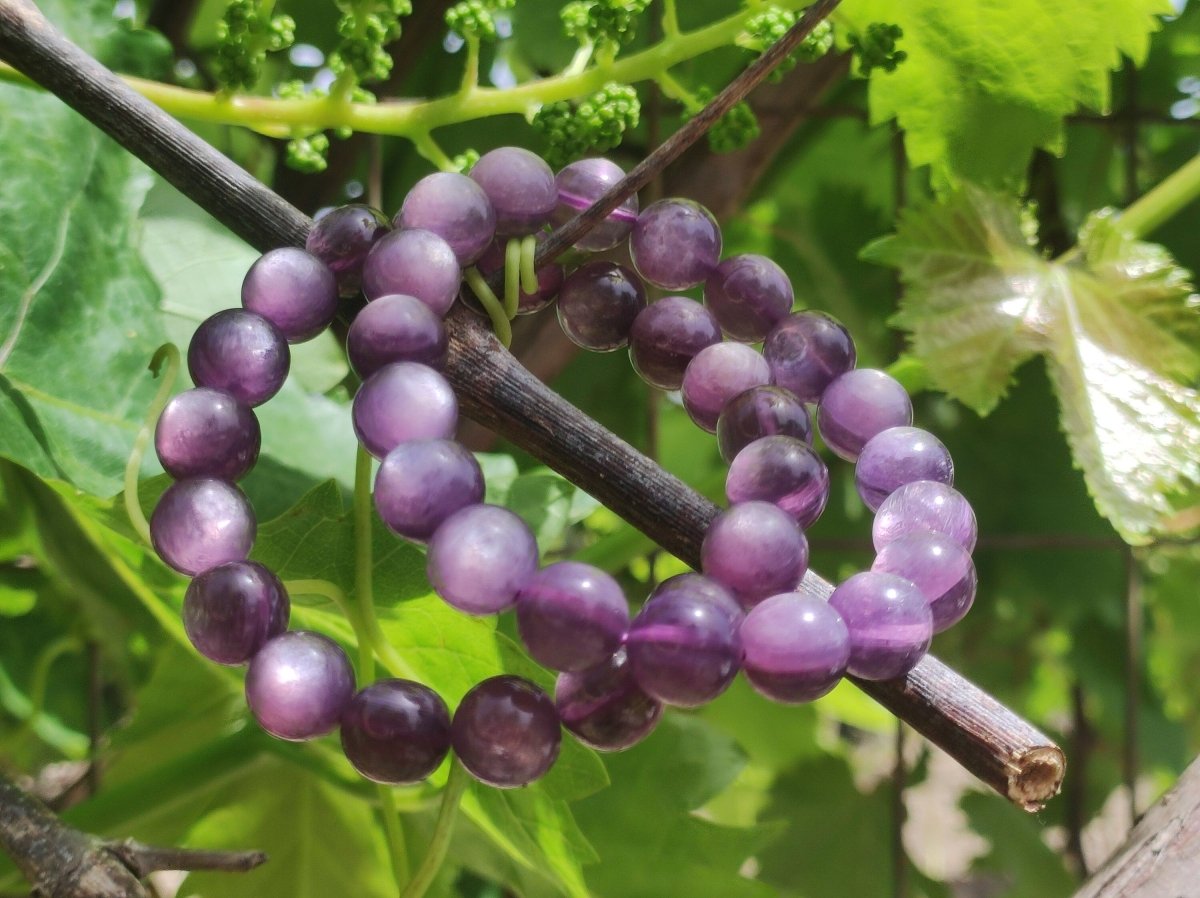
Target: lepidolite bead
241,353
761,412
342,237
200,523
598,304
582,183
230,611
716,375
395,731
423,482
755,550
897,456
890,624
455,208
521,187
413,263
666,336
857,406
401,402
807,351
298,685
941,569
506,732
782,470
604,706
395,329
480,557
207,433
292,289
925,505
796,647
749,295
571,616
675,244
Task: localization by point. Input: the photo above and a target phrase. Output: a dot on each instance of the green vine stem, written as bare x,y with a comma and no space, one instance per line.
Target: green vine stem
492,305
364,591
439,844
529,277
168,353
38,683
512,276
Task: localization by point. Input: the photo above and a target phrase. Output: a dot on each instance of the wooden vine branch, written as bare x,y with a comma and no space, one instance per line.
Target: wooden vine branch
993,743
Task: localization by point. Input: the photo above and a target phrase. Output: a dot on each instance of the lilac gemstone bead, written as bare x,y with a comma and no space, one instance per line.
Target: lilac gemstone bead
207,433
716,375
480,557
684,646
749,295
396,731
456,209
783,470
423,482
506,732
761,412
400,402
571,616
807,351
298,685
200,523
521,187
941,569
925,505
675,244
755,550
666,336
897,456
598,304
604,706
858,405
292,289
582,183
230,611
550,279
342,237
889,621
413,263
796,648
395,329
241,353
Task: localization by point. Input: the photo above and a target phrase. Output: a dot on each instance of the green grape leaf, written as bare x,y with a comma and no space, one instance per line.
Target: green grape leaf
1116,321
986,83
1019,854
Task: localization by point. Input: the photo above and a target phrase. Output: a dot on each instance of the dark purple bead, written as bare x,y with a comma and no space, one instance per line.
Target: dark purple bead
571,616
604,706
200,523
755,550
423,482
889,621
480,557
292,289
941,569
550,279
396,731
582,183
230,611
675,244
925,505
807,351
749,295
666,336
598,304
783,470
761,412
400,402
413,263
342,237
298,685
395,329
521,187
207,433
716,375
241,353
456,209
683,645
858,405
506,732
796,648
897,456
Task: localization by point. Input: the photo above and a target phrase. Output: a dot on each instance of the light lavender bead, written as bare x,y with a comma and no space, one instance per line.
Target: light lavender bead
480,557
796,648
582,183
423,482
897,456
675,244
456,209
401,402
755,550
298,685
806,351
292,289
858,405
716,375
395,329
941,569
783,470
206,433
414,263
521,187
201,523
241,353
889,621
921,506
666,336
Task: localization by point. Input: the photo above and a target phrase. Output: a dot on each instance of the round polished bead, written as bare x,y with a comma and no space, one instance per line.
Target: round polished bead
455,208
749,295
684,646
889,621
807,351
550,278
506,732
755,550
342,237
241,353
925,505
759,412
480,557
716,375
395,329
858,405
200,523
897,456
571,616
395,731
298,685
207,433
423,482
521,187
582,183
605,707
292,289
400,402
230,611
666,336
675,244
782,470
941,569
598,304
413,263
796,648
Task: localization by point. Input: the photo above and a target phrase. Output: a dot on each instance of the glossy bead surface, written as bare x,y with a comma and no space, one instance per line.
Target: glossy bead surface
298,685
395,731
400,402
342,237
759,412
521,187
889,621
755,550
582,183
423,482
506,732
716,375
859,405
941,569
230,611
598,304
796,648
782,470
207,433
675,244
456,209
550,278
571,616
480,557
292,289
200,523
604,707
925,505
897,456
666,336
413,263
807,351
241,353
395,329
749,295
